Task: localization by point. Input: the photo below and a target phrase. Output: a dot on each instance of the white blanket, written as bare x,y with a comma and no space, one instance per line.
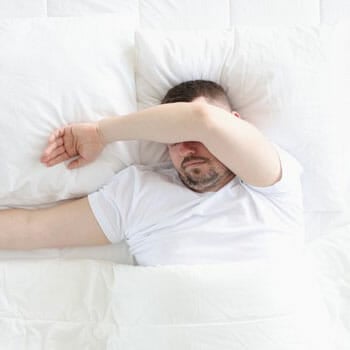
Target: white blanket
50,303
85,304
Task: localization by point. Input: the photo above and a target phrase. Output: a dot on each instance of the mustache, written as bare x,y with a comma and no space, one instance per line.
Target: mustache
191,159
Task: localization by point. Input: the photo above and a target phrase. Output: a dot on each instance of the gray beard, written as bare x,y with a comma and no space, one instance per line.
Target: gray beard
201,183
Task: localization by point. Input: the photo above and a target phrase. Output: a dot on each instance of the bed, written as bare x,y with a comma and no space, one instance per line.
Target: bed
286,67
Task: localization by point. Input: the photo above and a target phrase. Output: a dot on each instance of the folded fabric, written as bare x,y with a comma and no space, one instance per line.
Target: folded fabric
256,305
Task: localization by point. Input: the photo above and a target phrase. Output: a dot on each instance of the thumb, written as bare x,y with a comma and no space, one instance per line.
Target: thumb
77,163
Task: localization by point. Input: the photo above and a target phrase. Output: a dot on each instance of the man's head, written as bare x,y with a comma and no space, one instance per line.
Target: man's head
197,167
190,90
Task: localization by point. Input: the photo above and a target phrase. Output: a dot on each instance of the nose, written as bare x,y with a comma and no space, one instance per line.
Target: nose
187,148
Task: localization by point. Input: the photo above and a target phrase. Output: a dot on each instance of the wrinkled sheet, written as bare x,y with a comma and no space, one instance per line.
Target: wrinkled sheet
92,304
329,257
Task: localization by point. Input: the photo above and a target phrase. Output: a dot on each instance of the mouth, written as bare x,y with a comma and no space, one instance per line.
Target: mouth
193,163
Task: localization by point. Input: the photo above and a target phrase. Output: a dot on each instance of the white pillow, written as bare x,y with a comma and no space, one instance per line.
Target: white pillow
56,71
276,78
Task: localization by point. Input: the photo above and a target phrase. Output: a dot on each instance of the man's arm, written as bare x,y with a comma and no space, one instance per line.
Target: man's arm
69,224
241,147
235,142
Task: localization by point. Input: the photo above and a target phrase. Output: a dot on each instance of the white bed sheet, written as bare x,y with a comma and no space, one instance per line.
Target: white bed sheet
330,259
86,304
55,304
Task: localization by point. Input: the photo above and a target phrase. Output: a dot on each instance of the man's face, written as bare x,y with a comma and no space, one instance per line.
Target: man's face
198,169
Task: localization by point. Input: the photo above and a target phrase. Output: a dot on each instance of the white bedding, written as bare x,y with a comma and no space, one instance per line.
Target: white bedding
257,305
330,259
83,298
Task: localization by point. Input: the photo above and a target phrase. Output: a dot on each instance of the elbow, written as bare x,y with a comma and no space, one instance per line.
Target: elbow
202,120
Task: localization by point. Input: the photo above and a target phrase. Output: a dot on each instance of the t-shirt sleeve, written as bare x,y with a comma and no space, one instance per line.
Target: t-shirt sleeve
291,175
104,205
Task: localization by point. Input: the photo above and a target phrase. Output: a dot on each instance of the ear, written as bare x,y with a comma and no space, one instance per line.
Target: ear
236,114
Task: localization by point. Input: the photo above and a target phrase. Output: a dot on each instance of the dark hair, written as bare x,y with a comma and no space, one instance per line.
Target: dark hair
189,90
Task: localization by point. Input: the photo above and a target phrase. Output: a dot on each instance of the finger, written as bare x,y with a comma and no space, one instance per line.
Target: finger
58,133
77,163
50,149
58,159
55,153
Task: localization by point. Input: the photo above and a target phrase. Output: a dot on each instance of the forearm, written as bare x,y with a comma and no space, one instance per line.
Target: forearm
68,224
15,227
167,123
235,142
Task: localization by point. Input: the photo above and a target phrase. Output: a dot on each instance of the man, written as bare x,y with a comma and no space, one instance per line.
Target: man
228,193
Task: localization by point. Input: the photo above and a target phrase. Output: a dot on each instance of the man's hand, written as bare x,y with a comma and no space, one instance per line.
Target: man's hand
77,140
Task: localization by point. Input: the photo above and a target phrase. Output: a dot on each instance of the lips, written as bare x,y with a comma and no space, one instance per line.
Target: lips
193,162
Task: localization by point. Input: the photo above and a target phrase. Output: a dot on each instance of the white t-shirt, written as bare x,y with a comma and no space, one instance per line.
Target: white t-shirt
163,222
